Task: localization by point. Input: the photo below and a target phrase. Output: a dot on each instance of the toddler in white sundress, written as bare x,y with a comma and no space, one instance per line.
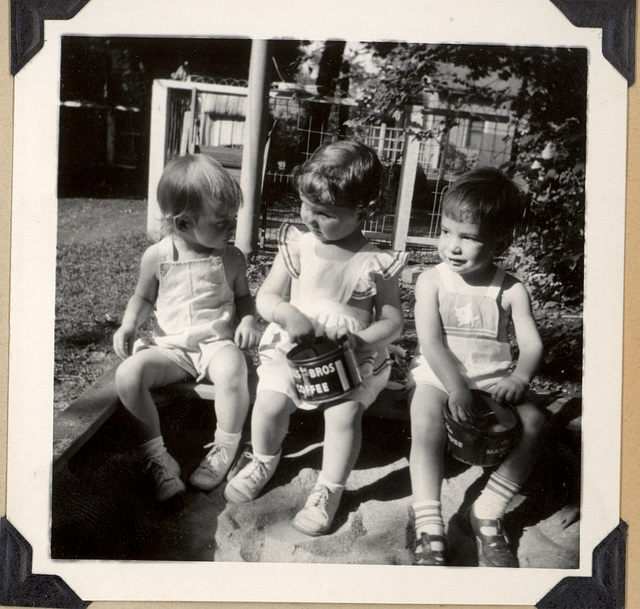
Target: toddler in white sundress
463,310
329,281
196,286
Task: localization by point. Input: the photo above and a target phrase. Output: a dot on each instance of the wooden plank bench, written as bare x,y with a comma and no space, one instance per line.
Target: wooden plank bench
77,423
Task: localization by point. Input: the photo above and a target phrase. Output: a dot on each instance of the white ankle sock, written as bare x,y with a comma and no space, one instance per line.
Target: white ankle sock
268,460
230,441
495,497
332,486
153,447
428,517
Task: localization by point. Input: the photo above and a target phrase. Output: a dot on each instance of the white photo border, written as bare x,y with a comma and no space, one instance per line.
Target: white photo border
36,100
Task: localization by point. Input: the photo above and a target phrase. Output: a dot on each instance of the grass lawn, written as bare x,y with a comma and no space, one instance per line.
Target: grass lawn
100,242
99,247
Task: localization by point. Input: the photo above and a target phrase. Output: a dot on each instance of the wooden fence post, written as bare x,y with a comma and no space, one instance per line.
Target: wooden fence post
405,192
157,152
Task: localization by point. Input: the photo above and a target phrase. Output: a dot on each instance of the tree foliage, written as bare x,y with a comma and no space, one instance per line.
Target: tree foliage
545,90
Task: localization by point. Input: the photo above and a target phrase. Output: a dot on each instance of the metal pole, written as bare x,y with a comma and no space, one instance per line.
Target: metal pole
253,148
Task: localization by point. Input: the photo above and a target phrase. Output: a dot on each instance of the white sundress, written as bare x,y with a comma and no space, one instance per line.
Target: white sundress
325,291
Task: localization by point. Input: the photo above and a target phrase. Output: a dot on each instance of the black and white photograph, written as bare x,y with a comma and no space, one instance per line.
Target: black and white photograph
325,305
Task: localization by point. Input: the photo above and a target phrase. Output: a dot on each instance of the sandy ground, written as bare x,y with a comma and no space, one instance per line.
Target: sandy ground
102,509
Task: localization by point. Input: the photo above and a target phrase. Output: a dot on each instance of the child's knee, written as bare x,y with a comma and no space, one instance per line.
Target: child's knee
345,415
426,411
228,370
426,414
128,377
271,405
534,421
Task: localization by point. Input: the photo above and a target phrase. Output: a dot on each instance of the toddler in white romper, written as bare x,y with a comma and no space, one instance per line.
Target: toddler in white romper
195,284
464,307
195,312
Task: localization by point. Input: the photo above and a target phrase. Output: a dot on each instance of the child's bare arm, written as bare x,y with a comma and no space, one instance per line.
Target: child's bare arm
389,319
272,305
140,305
513,388
247,334
438,356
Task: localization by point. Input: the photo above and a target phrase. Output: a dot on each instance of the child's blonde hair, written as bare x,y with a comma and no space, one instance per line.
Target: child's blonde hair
346,174
487,197
191,183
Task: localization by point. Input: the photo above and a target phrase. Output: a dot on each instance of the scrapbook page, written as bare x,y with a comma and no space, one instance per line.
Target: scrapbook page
113,97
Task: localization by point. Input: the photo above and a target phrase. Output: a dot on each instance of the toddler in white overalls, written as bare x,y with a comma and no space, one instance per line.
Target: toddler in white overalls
195,283
463,310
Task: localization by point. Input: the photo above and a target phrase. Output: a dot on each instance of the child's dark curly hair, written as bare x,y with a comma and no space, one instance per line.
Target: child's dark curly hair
487,197
346,174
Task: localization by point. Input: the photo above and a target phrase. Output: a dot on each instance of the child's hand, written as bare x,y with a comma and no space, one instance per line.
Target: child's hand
340,334
247,334
123,341
510,389
299,327
461,406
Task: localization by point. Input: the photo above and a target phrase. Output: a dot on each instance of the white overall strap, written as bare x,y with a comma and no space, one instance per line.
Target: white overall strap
447,277
496,284
168,251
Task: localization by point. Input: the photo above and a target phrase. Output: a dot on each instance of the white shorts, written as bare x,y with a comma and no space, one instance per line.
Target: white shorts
421,373
194,361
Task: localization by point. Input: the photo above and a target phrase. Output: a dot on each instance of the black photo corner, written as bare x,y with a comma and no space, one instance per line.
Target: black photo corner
605,589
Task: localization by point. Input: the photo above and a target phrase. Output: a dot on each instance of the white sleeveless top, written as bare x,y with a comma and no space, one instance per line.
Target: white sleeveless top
474,328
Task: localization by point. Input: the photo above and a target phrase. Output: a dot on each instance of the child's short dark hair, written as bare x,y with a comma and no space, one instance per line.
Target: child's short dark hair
191,182
346,174
485,196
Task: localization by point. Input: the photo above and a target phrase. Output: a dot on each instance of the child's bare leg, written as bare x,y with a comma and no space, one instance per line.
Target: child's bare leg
517,466
426,466
503,484
270,421
228,372
136,377
342,442
507,479
428,436
269,425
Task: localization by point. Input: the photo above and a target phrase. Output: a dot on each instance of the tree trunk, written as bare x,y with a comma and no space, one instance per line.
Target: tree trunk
329,68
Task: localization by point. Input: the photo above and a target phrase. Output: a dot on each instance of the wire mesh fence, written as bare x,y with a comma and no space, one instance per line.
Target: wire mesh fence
452,140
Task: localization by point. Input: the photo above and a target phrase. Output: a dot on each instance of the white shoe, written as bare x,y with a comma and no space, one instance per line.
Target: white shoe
165,473
247,484
213,468
316,517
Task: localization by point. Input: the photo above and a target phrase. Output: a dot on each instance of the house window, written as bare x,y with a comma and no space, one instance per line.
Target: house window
474,134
